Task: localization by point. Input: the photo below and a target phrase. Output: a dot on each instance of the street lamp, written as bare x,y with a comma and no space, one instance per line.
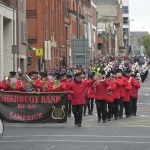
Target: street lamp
47,27
77,1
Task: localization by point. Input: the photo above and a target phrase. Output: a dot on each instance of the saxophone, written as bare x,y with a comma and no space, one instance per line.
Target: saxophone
44,85
56,84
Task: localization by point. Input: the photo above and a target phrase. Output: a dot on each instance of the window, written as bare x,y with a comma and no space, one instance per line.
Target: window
125,20
126,42
125,9
99,46
125,31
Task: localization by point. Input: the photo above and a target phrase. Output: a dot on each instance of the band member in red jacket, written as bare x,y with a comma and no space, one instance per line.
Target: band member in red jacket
122,92
46,85
90,95
69,80
35,81
12,83
3,86
101,97
128,88
110,97
132,81
116,93
59,86
78,96
134,95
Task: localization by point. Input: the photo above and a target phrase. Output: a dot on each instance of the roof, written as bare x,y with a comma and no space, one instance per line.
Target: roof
105,2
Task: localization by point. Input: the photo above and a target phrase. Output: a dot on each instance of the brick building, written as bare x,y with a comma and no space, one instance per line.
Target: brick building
45,20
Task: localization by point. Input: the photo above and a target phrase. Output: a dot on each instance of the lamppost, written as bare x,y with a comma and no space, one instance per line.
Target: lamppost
47,31
77,1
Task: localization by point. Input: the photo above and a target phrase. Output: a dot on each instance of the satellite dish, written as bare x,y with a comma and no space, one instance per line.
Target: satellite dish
1,128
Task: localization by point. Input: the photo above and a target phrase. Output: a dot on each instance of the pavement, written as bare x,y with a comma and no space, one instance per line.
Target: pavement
123,134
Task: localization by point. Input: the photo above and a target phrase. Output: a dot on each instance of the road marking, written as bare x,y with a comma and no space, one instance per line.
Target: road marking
78,141
79,136
50,148
105,147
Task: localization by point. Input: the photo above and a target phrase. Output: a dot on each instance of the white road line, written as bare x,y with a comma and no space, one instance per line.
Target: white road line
78,141
101,136
106,147
50,148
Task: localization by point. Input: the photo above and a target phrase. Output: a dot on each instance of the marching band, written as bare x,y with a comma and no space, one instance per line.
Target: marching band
116,88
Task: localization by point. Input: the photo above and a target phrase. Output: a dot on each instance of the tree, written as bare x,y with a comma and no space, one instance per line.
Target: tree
145,41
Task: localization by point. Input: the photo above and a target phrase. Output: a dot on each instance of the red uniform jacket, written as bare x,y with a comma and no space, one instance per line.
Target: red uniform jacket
37,84
3,86
67,86
91,93
17,88
134,91
110,91
128,88
122,88
117,90
78,97
101,90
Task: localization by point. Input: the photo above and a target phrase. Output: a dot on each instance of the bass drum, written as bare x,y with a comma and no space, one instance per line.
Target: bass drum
1,128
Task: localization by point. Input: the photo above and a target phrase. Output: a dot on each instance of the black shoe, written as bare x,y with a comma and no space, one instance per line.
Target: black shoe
134,114
79,125
108,119
127,116
88,112
75,123
116,118
99,120
84,115
120,117
69,115
104,121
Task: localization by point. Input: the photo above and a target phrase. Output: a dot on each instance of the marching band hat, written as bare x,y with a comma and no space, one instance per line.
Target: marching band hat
12,73
119,71
77,74
34,73
30,74
91,75
108,75
128,71
114,71
59,76
69,76
43,74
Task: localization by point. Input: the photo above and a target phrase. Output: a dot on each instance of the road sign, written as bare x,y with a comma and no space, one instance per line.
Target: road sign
39,52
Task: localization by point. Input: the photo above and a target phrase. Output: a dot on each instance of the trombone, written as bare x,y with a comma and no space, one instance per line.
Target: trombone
98,81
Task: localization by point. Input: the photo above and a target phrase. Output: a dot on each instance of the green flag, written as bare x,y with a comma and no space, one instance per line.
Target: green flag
31,48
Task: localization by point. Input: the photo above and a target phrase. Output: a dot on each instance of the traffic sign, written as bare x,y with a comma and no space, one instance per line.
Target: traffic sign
39,52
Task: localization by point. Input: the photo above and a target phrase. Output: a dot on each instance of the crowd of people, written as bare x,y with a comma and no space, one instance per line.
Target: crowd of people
112,83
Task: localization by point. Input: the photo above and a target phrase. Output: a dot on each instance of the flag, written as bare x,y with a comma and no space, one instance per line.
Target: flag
31,48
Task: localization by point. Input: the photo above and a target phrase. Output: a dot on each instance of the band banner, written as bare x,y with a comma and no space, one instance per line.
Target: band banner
33,108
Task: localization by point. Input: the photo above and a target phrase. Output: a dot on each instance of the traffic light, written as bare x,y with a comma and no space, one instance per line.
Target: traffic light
29,60
64,61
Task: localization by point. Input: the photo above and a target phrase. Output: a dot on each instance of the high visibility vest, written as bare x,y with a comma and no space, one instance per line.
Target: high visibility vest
98,69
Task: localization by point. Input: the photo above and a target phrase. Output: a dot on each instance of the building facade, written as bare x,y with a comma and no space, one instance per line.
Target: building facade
6,37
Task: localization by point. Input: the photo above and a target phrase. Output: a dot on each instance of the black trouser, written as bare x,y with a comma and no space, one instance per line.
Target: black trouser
77,111
90,104
127,108
69,107
110,107
121,106
116,110
134,105
131,105
101,108
85,106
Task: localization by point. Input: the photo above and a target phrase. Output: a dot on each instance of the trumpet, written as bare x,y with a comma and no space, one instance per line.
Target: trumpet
98,81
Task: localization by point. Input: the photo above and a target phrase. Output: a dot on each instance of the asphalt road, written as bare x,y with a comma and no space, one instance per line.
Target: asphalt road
124,134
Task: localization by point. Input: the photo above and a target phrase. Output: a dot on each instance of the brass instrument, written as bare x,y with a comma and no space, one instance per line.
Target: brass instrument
28,86
98,81
56,84
44,85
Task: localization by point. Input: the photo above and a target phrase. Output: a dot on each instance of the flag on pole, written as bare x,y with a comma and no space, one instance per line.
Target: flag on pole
31,48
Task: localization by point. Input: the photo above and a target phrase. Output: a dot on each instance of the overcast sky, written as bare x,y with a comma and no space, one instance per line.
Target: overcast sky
140,13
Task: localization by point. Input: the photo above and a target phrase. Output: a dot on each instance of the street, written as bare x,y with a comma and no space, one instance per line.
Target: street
124,134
